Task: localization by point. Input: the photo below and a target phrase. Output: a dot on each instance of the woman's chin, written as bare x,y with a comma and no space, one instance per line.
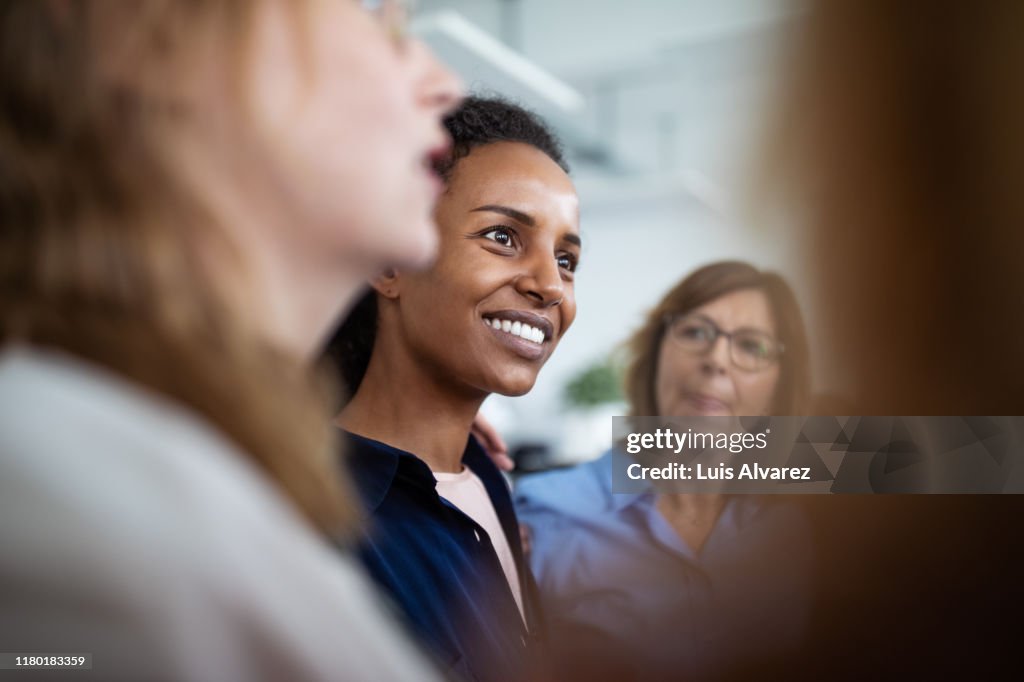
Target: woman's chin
690,410
513,388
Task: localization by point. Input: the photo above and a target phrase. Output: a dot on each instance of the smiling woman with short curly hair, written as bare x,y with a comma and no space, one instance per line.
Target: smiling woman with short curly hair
423,351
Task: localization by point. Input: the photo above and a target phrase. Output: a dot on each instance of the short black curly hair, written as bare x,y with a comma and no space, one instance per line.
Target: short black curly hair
477,122
485,120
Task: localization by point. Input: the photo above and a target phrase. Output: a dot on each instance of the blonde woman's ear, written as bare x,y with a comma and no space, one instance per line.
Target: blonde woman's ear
386,283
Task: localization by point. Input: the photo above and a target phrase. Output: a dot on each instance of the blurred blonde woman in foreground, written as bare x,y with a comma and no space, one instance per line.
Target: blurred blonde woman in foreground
190,195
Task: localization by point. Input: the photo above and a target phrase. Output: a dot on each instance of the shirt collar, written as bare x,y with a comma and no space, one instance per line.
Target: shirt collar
739,509
620,501
475,457
375,466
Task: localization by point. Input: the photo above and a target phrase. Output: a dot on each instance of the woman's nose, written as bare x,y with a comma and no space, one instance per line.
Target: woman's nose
716,358
438,87
542,282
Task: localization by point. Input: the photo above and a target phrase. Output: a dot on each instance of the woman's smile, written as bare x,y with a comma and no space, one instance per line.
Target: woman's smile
524,333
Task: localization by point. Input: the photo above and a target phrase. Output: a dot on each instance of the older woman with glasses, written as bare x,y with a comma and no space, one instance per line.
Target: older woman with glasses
682,585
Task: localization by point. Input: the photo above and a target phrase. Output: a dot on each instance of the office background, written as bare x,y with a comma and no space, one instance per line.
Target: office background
661,105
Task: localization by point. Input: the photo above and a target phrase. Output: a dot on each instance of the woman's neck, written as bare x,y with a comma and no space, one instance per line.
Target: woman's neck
405,406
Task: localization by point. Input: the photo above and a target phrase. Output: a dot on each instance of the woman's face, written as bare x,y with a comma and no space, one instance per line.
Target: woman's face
493,307
709,384
345,121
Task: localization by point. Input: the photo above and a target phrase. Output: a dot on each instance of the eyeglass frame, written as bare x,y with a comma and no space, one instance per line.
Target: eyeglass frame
394,15
670,319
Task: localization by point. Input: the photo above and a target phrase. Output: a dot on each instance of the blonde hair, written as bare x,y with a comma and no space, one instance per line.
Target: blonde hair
99,241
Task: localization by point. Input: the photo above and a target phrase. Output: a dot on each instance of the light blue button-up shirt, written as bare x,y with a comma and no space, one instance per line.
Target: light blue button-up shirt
610,566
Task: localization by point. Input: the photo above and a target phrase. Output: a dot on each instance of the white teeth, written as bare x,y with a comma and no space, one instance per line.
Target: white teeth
523,331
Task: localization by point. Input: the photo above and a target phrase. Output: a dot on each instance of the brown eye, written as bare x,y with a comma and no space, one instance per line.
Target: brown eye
501,235
568,262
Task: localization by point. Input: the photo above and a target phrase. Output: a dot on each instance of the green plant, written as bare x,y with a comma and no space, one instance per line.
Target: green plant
596,385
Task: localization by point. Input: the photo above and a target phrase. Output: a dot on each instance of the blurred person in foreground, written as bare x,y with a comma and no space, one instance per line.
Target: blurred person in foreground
900,141
190,195
672,585
421,353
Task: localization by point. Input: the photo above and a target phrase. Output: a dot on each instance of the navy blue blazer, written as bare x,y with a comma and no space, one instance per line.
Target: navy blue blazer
439,565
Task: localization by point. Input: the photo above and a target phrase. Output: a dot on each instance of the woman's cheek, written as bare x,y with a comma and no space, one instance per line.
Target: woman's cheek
758,393
675,368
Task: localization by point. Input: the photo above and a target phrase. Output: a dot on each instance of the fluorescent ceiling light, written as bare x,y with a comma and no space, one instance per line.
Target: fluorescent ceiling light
452,36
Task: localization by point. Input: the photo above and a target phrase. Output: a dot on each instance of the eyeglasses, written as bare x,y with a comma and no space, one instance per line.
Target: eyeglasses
393,15
749,349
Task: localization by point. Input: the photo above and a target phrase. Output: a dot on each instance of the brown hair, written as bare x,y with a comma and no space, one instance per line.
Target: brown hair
702,286
99,242
901,138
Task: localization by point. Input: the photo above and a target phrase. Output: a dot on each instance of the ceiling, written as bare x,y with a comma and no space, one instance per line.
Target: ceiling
648,95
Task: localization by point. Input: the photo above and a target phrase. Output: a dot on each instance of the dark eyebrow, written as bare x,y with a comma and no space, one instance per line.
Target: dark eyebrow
512,213
573,239
523,218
